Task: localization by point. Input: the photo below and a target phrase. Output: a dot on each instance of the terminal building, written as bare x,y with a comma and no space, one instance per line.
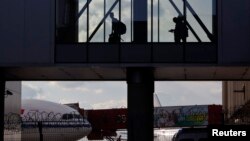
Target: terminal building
69,40
236,102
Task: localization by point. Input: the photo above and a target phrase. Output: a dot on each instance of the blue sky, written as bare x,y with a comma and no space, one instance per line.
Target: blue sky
101,95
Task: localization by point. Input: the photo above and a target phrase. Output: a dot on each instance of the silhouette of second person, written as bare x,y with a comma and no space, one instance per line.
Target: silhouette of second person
180,31
118,28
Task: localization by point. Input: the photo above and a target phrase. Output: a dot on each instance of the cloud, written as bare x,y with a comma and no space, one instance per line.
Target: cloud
110,104
30,91
98,91
84,93
67,84
41,97
96,12
70,86
188,93
167,12
114,94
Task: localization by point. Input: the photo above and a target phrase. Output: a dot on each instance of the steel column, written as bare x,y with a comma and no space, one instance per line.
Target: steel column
140,104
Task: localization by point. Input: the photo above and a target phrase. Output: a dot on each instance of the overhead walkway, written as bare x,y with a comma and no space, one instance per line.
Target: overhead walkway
87,41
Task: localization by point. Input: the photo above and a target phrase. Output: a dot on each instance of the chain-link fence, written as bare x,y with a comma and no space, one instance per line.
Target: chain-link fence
42,126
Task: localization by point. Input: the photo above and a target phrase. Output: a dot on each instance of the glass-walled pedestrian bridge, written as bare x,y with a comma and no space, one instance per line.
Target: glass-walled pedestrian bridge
83,28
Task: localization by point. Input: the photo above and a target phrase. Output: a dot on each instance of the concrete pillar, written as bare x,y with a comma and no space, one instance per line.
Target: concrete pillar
140,21
2,92
140,104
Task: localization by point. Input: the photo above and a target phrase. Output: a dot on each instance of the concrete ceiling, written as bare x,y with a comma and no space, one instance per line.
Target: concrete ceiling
119,73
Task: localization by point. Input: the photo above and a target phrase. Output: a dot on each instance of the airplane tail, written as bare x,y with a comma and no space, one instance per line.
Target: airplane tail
157,102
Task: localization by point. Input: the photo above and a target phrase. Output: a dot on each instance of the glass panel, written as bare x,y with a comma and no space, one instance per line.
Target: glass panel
82,33
199,16
166,14
97,14
75,21
203,9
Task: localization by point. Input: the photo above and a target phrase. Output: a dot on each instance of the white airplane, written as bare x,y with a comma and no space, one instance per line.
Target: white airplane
52,121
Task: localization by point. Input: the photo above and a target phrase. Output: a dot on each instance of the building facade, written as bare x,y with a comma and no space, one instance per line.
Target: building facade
236,101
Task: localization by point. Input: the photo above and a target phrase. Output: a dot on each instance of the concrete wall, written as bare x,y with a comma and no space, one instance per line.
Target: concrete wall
27,32
234,31
13,102
12,111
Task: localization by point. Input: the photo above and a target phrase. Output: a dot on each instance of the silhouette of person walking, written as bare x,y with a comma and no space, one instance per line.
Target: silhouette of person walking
118,29
180,31
114,37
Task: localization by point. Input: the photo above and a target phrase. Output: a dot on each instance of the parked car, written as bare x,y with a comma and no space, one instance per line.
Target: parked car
191,134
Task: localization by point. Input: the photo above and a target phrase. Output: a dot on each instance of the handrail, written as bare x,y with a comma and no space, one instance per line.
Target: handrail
209,35
103,19
189,26
83,9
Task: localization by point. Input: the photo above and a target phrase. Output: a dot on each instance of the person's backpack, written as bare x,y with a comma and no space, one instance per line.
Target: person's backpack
121,28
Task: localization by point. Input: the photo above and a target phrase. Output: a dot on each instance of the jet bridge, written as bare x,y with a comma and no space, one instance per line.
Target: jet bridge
68,40
93,26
